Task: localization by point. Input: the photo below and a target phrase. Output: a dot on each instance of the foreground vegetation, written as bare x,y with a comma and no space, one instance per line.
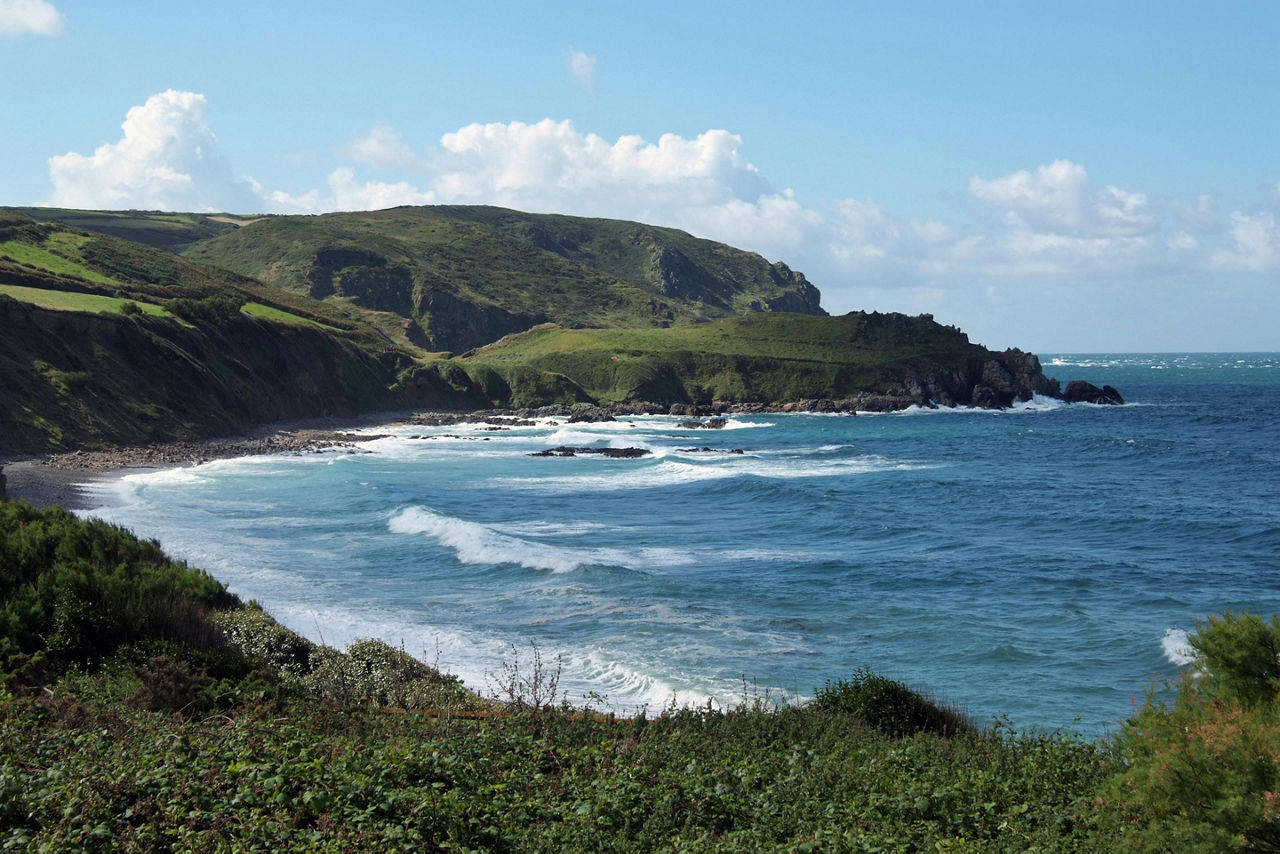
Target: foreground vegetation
145,707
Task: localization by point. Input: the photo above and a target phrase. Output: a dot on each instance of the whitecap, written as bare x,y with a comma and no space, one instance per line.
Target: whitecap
474,543
1177,647
672,471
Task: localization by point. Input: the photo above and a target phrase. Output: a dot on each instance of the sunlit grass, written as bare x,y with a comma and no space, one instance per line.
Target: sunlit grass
71,301
49,261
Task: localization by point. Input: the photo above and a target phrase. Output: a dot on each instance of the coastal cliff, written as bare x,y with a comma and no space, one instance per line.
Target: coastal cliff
106,342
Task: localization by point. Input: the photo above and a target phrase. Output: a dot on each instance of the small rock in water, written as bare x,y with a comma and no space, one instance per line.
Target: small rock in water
612,453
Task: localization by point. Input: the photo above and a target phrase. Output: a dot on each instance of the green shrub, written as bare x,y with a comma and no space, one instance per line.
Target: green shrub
374,673
76,590
255,634
219,309
1206,771
890,706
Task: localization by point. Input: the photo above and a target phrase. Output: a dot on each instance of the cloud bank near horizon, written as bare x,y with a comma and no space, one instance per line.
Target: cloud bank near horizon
1051,221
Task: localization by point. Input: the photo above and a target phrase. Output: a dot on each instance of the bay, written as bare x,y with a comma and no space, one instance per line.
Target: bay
1041,563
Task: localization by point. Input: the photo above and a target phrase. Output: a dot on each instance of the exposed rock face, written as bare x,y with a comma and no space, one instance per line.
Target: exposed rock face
453,324
995,382
680,277
1079,391
801,296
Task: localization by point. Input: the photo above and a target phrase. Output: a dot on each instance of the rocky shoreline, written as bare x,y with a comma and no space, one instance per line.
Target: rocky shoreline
52,479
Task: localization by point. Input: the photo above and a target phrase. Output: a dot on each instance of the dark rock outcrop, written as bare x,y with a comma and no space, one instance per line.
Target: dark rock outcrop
454,324
611,453
1079,391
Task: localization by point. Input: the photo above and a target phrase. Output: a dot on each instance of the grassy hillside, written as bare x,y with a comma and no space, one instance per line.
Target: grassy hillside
106,342
158,229
467,276
761,358
54,257
109,341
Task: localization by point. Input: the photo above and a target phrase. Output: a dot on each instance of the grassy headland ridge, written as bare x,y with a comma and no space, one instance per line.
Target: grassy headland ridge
109,341
465,276
143,706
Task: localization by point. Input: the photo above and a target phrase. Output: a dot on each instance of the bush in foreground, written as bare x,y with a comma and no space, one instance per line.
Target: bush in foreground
890,706
1206,770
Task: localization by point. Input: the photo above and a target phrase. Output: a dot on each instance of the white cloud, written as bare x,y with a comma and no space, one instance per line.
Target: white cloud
1255,244
551,166
30,17
582,69
167,159
382,146
1059,198
352,195
1047,223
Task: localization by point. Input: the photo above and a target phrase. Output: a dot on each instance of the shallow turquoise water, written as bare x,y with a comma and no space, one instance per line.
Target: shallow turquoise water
1040,563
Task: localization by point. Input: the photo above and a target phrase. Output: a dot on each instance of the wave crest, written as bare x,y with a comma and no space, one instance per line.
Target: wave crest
1177,647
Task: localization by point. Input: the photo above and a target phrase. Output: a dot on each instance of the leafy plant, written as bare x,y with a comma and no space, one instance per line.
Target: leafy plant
890,706
1206,770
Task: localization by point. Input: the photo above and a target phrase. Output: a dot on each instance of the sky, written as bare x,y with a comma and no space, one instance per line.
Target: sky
1060,177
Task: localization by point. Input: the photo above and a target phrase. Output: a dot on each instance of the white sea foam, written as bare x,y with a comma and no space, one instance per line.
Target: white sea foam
631,687
674,471
474,543
1177,648
1037,403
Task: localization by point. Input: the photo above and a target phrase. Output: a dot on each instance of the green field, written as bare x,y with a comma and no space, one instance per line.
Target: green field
71,301
50,261
266,312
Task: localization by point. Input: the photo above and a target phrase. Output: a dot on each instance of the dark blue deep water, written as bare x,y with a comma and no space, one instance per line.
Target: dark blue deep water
1043,563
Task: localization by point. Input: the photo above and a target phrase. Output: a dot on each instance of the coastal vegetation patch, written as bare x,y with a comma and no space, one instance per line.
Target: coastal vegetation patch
74,301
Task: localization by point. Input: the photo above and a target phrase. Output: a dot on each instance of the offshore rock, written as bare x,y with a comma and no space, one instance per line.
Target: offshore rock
612,453
1079,391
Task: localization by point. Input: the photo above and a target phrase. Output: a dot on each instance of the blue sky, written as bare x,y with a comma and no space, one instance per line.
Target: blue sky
1058,177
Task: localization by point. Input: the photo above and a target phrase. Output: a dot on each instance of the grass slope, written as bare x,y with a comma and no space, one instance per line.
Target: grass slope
468,276
170,231
763,357
55,257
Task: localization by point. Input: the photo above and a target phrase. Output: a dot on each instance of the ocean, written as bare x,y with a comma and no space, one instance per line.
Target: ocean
1042,564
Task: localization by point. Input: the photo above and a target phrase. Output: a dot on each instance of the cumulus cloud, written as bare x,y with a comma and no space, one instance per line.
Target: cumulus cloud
1059,198
582,69
349,194
382,146
549,165
167,159
30,17
1255,244
1050,221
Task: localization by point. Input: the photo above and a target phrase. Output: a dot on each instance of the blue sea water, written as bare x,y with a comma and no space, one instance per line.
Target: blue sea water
1042,563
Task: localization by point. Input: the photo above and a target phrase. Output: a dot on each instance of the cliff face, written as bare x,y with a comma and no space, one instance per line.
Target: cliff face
76,380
